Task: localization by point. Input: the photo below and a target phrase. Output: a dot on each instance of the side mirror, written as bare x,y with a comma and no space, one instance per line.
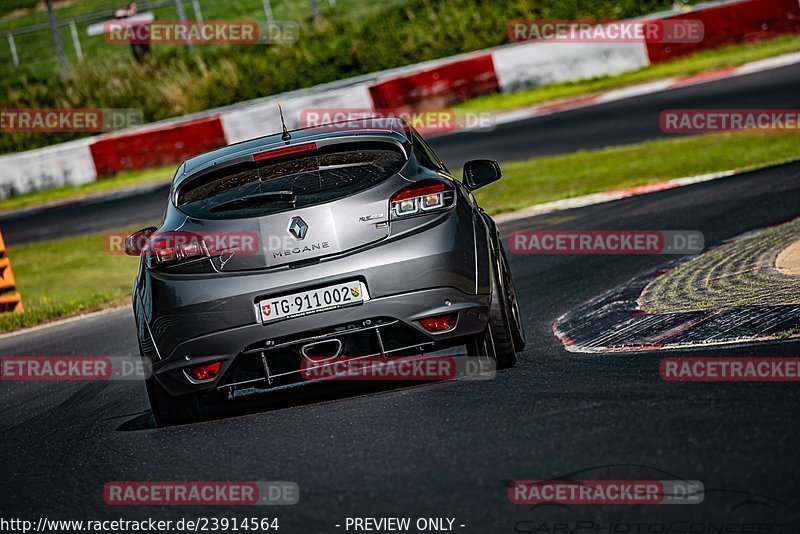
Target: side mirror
134,243
480,172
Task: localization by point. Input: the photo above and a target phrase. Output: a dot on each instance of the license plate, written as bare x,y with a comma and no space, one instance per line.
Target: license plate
314,301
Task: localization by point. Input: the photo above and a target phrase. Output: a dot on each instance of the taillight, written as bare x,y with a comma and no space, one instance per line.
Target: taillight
440,323
423,196
170,248
135,243
205,372
283,152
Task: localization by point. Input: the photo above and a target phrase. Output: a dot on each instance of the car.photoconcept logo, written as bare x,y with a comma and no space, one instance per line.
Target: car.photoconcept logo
298,228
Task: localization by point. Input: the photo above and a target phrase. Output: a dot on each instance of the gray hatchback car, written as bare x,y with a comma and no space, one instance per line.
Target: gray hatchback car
350,239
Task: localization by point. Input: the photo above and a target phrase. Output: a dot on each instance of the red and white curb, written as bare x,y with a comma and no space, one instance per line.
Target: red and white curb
643,89
609,196
613,322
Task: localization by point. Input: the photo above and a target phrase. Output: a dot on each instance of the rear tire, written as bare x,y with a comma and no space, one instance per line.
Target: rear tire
514,313
499,332
168,410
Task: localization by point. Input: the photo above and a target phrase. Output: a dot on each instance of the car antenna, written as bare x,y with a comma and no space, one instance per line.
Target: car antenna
286,136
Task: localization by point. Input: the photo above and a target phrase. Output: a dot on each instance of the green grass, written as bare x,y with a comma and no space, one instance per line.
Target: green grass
786,334
106,185
211,10
720,58
36,50
701,62
550,178
358,37
352,39
76,275
67,277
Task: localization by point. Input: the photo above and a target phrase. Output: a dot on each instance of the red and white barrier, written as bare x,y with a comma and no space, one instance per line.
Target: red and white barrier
66,164
154,147
430,85
730,23
438,86
537,63
262,118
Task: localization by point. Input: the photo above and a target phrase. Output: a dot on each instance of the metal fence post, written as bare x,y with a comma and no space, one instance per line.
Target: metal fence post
182,18
75,41
13,47
62,58
268,12
314,10
198,14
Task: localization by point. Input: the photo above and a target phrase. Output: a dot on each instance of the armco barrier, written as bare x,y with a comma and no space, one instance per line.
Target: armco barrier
154,147
744,21
10,299
437,87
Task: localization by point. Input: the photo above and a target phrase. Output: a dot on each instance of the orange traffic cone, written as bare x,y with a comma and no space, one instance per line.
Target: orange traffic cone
10,298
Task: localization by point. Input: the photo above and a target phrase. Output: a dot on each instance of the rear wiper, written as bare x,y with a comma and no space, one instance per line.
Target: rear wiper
256,200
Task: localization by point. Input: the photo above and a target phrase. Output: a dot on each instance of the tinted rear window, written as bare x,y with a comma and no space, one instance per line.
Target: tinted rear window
259,188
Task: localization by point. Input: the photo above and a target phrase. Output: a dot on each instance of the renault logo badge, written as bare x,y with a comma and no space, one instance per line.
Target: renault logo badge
298,228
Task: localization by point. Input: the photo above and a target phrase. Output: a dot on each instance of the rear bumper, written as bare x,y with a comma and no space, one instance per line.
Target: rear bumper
233,345
187,320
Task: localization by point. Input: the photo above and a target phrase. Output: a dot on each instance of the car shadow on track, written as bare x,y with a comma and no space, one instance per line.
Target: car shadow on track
257,400
268,401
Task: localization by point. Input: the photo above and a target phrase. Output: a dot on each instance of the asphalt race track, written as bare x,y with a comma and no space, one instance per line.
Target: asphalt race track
448,449
614,123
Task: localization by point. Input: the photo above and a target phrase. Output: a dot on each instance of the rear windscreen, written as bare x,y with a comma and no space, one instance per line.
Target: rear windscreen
278,184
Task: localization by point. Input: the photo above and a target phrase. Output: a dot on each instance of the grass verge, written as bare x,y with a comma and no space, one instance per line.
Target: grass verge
67,277
737,273
710,60
357,37
551,178
76,275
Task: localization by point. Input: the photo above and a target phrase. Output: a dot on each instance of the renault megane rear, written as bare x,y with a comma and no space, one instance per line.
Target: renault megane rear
350,239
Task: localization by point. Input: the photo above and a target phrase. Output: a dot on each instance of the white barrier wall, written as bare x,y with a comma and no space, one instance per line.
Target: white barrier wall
535,64
263,119
44,168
